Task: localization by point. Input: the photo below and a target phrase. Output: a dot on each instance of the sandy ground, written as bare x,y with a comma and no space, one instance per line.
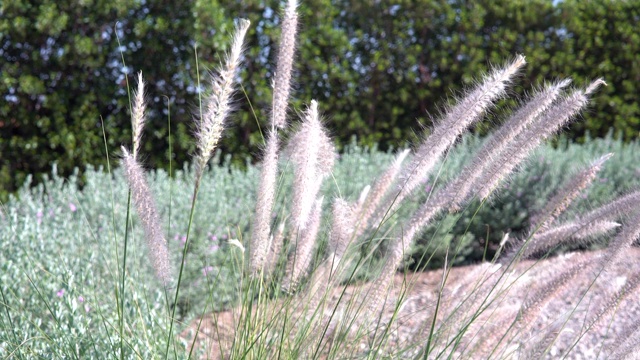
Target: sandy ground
480,310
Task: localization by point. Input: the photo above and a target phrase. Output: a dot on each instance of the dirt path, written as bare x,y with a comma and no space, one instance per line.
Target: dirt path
559,324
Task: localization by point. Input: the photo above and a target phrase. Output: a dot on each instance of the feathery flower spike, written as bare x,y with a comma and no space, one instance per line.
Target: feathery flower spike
455,122
138,115
312,155
149,218
552,120
219,103
286,51
559,203
523,118
300,259
261,226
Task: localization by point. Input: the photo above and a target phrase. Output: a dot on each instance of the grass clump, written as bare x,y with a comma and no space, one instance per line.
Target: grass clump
319,223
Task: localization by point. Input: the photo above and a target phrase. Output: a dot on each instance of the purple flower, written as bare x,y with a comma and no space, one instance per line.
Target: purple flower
181,238
207,270
214,248
214,238
80,299
72,207
86,308
60,293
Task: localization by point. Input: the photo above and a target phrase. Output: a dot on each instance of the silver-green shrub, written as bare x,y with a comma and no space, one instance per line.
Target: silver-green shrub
45,241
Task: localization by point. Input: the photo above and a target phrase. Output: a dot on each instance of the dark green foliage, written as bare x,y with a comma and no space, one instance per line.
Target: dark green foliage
56,75
377,72
62,73
602,37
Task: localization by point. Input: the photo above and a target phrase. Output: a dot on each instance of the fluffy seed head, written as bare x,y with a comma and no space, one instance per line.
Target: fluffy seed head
591,88
569,191
551,121
312,154
630,287
282,80
138,115
625,204
455,122
275,247
374,299
149,218
219,103
373,210
569,233
342,228
300,259
363,195
264,204
532,307
617,246
459,190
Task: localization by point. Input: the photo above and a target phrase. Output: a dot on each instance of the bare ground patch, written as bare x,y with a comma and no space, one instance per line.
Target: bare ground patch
478,313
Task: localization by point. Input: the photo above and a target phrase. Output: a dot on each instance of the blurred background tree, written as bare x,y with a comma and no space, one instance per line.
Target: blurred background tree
378,69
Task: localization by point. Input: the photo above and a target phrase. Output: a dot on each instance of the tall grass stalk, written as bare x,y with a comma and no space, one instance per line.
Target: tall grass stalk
137,124
218,107
262,239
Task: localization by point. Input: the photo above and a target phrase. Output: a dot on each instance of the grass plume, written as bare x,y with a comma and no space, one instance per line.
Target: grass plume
261,228
219,102
466,112
138,116
282,80
149,218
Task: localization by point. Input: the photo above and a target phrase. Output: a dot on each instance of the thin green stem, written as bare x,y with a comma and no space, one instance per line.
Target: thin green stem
195,50
126,233
184,255
13,331
124,268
